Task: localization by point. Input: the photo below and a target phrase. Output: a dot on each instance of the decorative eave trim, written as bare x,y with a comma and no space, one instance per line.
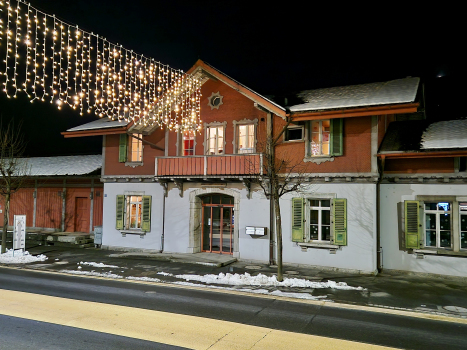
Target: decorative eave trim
355,112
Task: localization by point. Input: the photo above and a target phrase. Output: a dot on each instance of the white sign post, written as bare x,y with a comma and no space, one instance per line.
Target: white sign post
19,233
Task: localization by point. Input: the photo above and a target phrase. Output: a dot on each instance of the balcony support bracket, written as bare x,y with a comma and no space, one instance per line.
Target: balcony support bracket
165,184
179,185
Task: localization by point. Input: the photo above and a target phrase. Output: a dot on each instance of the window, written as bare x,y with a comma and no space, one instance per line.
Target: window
320,137
326,138
319,220
215,100
188,143
136,148
246,138
294,133
133,212
215,140
130,148
438,223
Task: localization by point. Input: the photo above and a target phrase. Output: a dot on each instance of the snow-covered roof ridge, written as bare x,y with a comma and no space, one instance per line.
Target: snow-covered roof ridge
102,123
373,94
63,165
445,134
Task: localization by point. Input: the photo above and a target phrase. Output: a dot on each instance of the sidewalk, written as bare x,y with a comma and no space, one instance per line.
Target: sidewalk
424,294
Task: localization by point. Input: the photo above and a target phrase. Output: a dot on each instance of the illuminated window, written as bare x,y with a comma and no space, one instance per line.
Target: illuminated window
135,150
320,137
246,138
215,140
188,143
133,212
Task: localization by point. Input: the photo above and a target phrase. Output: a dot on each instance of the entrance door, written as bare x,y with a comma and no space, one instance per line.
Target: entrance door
82,212
218,224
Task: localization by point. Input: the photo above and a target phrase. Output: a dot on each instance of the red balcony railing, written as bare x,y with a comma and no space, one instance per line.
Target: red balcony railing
224,165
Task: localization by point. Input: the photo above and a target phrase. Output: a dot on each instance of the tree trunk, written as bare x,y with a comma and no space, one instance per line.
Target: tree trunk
277,210
6,214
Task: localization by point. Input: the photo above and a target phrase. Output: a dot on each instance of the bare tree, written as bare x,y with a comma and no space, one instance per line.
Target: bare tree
280,175
13,169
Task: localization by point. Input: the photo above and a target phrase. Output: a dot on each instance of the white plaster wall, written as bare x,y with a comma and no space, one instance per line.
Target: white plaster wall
177,222
395,259
112,237
253,212
360,252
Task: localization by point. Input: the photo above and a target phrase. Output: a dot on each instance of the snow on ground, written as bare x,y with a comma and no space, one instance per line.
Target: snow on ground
92,273
94,264
19,257
145,279
263,280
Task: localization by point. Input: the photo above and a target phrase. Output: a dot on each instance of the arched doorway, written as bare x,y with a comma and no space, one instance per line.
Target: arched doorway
217,226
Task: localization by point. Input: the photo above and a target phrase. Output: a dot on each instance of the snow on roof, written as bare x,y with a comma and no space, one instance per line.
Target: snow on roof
445,134
65,165
104,123
390,92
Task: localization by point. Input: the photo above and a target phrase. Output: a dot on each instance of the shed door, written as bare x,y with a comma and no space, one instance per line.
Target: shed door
82,213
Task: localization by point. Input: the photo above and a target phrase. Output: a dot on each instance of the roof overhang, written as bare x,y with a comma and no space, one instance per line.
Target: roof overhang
432,154
95,132
356,112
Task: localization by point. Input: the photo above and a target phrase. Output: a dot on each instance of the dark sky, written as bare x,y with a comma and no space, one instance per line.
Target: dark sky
272,49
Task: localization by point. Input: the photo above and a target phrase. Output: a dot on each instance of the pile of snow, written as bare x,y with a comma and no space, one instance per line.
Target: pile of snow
94,264
93,273
20,257
263,280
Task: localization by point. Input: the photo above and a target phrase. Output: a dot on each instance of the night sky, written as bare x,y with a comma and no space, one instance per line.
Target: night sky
274,50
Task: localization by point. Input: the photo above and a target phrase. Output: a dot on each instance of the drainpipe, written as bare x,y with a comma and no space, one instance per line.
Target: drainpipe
165,185
271,200
379,249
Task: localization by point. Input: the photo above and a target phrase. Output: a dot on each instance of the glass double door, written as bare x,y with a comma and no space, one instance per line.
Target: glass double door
218,228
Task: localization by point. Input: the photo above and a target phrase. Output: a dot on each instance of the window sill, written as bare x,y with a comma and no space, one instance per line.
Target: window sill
441,252
300,140
133,232
325,245
133,164
318,159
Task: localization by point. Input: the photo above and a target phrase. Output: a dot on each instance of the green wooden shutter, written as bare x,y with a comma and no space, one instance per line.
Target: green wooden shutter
413,226
337,136
298,220
122,148
120,212
339,221
146,214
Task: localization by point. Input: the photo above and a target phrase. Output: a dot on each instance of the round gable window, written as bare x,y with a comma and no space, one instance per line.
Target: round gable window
215,100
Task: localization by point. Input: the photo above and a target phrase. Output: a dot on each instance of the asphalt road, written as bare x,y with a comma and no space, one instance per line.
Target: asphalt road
300,318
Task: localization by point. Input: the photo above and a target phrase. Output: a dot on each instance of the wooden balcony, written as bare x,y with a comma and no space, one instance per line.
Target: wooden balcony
225,166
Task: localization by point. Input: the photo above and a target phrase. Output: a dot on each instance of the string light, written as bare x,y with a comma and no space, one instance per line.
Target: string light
48,59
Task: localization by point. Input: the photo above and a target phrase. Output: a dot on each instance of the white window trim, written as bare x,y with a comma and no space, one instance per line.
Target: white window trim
315,243
205,142
291,127
179,145
455,248
244,122
130,163
310,134
135,231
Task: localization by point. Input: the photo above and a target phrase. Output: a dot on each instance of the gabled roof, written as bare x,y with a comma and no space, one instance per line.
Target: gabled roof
364,95
61,166
206,70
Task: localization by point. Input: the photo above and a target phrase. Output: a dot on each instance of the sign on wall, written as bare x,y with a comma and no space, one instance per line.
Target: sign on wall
19,232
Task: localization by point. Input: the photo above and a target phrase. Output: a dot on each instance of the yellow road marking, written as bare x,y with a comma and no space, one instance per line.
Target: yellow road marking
163,327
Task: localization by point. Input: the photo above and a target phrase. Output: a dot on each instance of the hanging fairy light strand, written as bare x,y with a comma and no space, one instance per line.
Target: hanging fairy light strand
51,60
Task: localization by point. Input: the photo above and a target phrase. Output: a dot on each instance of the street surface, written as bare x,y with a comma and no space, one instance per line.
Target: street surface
53,311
